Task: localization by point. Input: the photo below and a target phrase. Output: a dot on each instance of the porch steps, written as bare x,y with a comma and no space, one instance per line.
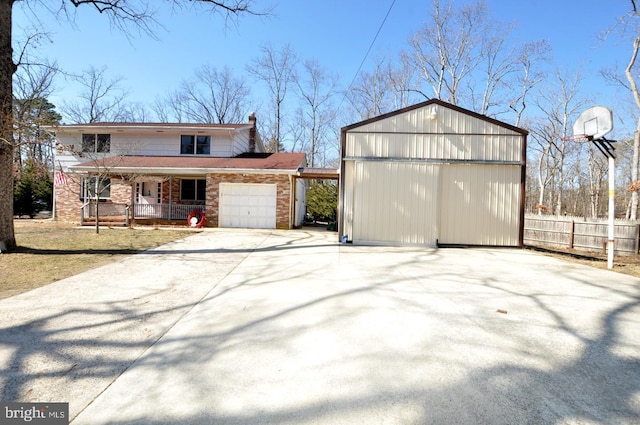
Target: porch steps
107,221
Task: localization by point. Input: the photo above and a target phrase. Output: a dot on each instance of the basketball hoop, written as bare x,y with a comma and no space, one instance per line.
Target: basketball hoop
591,126
577,138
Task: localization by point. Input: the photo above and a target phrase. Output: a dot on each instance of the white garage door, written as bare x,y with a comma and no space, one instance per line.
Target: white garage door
248,205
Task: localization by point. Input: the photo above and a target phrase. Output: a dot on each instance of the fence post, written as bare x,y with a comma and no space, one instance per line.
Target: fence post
636,240
572,227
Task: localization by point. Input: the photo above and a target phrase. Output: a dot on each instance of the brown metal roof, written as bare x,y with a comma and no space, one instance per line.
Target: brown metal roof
319,173
276,161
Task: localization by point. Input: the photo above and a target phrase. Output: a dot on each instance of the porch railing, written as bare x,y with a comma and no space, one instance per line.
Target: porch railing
106,209
164,211
140,211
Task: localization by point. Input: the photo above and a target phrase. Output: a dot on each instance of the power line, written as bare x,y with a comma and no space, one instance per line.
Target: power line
393,2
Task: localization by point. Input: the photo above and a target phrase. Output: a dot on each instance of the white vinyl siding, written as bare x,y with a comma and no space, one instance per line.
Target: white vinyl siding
159,144
247,205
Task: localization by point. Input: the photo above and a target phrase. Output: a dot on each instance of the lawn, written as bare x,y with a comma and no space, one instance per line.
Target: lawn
49,251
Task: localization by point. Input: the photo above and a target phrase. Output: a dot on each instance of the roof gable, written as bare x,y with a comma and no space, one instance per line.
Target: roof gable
427,105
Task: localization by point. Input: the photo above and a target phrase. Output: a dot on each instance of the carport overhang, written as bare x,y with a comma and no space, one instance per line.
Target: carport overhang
318,173
315,173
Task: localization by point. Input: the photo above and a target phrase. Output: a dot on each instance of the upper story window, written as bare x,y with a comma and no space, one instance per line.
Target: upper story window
96,143
195,145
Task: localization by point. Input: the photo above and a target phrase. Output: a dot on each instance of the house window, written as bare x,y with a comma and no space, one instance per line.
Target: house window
198,145
93,185
96,143
193,190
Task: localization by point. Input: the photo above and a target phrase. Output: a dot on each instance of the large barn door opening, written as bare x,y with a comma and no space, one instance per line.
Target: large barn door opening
479,205
395,202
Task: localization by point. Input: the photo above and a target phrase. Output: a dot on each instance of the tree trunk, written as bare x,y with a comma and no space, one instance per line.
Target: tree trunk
540,185
636,139
7,68
634,173
97,214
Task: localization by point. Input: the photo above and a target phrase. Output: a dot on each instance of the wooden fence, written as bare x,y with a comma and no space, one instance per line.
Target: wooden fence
580,233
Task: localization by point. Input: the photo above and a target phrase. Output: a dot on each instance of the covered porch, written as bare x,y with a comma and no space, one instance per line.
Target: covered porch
153,200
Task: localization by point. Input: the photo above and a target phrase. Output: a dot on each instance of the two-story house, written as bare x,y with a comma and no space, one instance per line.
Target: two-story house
158,171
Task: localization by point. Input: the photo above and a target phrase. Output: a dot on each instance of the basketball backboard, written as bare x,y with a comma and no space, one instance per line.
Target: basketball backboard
594,123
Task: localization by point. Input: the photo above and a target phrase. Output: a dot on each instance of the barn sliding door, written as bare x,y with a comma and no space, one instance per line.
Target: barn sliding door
395,202
480,205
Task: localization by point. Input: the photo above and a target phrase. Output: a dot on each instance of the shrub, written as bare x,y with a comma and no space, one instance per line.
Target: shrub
322,201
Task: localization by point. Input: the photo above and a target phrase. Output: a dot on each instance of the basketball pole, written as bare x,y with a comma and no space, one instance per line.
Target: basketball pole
612,206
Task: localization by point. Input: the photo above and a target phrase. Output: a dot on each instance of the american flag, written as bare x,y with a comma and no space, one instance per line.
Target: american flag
60,179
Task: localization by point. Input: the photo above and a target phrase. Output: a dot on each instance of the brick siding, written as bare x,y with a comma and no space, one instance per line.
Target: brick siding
68,201
283,201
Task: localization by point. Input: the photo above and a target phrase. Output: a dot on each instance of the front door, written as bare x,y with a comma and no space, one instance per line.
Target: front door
149,199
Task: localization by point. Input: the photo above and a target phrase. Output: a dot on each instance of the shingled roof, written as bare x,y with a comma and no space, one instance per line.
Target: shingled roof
282,161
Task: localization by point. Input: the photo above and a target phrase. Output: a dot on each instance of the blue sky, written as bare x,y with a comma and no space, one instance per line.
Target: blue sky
335,32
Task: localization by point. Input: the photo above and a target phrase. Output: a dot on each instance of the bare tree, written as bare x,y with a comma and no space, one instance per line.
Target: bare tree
447,48
630,23
123,14
543,138
372,93
316,89
560,105
101,99
528,75
276,68
497,65
212,97
402,80
170,107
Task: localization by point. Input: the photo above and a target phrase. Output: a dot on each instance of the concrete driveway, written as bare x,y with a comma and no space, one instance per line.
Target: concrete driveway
256,327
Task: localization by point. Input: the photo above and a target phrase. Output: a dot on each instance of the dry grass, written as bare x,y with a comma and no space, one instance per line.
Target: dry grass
49,251
626,264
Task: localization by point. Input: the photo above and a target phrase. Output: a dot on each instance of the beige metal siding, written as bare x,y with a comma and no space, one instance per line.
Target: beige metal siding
447,121
349,187
460,147
451,135
393,202
480,205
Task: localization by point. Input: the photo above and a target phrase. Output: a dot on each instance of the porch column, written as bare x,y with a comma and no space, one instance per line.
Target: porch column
170,196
